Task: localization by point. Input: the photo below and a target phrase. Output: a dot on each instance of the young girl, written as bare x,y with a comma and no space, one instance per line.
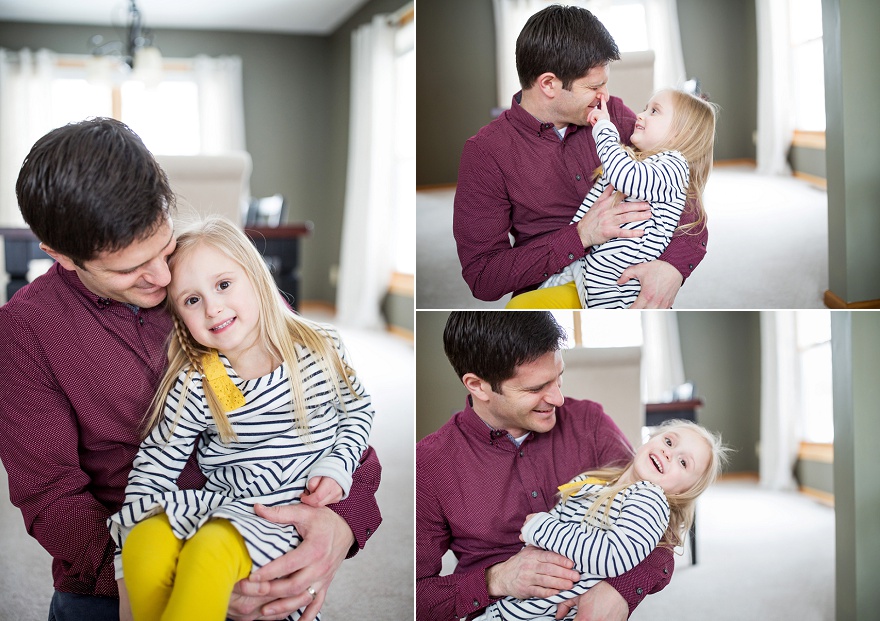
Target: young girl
669,162
277,412
609,520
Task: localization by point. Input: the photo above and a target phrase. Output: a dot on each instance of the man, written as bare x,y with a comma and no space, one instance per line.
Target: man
502,458
83,350
526,173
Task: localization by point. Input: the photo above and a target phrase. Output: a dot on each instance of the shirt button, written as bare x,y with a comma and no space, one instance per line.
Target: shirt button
578,177
704,244
665,571
476,604
534,494
690,266
545,274
369,532
521,454
639,591
571,256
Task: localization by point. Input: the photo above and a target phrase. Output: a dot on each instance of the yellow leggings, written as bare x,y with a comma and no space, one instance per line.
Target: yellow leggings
563,296
170,579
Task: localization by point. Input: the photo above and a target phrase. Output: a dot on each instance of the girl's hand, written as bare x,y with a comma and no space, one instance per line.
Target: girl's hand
528,517
599,112
321,491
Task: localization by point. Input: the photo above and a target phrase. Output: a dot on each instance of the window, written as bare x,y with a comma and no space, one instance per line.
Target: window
625,20
165,116
601,328
807,64
813,333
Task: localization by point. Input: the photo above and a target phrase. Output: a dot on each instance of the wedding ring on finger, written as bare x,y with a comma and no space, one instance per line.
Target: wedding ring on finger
312,592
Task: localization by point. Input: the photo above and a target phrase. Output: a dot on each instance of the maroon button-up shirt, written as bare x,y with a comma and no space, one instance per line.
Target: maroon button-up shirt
474,488
516,177
79,373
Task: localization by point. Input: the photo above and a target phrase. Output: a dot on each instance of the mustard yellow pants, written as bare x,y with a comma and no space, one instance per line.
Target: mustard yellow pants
172,580
563,296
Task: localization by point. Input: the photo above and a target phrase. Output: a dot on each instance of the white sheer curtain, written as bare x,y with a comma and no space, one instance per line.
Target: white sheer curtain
25,115
662,368
779,407
664,37
366,260
661,17
221,104
775,124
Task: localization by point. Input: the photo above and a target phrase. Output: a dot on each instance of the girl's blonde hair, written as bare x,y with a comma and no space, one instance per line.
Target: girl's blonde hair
692,133
281,330
681,505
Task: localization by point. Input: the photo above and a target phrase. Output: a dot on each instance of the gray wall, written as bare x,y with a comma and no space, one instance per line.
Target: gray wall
855,343
456,76
296,102
721,354
852,86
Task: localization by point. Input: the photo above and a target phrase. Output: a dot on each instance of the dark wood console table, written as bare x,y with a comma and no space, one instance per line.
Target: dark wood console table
278,245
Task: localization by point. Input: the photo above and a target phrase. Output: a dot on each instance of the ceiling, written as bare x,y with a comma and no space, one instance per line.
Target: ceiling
318,17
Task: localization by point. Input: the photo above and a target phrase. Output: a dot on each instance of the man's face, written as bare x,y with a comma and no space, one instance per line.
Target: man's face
573,106
528,400
136,274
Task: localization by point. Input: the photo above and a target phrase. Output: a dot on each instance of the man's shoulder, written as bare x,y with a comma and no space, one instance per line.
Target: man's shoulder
31,301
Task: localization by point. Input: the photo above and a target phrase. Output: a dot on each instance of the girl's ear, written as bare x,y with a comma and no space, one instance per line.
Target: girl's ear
478,388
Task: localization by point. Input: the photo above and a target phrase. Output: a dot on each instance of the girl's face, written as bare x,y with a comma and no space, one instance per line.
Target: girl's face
675,460
654,123
216,300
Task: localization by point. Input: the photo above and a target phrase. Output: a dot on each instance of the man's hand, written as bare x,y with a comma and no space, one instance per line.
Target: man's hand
660,283
531,572
603,221
321,491
601,603
326,540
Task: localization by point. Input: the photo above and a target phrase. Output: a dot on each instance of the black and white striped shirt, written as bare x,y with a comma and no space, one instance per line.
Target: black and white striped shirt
662,180
638,518
269,463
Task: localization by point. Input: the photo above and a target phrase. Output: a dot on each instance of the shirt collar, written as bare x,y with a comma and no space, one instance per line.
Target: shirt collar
475,425
522,117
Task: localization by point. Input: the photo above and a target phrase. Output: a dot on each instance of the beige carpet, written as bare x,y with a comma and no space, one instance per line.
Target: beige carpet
761,555
376,584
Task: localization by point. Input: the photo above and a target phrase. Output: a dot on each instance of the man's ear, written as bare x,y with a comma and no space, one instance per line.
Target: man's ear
65,261
478,388
549,84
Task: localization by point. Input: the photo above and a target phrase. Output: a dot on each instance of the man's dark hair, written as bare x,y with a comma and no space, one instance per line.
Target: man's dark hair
567,41
491,344
92,187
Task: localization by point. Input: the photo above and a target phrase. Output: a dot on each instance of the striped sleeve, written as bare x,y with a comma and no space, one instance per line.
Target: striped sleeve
355,412
611,551
649,180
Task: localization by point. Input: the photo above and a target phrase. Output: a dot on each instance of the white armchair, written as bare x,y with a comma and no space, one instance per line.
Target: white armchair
209,184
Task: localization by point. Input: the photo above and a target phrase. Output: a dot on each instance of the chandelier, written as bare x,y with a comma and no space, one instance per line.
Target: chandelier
137,52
